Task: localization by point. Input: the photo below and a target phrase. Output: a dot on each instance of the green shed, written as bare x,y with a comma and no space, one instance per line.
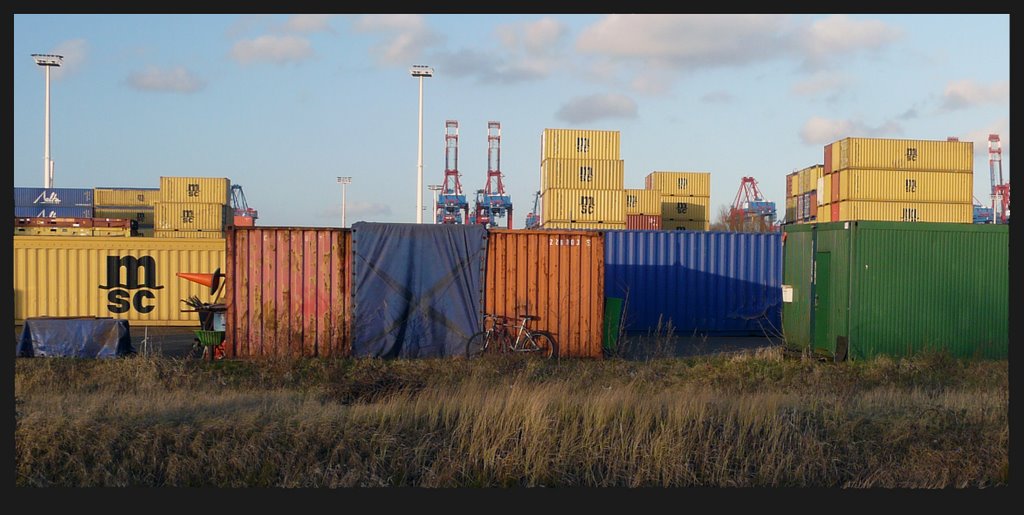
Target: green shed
859,289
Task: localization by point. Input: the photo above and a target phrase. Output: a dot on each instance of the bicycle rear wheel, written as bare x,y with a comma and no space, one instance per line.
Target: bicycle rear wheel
545,345
480,342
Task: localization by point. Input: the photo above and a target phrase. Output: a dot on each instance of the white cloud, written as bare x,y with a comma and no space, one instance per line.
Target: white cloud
275,49
819,83
595,107
407,36
651,82
308,23
377,22
839,34
176,80
980,139
968,93
75,52
541,37
822,131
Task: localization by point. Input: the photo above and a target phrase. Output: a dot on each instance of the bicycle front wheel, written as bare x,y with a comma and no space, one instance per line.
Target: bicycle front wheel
479,342
544,344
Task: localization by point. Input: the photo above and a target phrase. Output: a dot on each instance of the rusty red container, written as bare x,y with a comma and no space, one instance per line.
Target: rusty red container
643,222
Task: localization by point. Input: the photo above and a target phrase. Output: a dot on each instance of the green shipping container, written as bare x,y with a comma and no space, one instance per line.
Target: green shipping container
859,289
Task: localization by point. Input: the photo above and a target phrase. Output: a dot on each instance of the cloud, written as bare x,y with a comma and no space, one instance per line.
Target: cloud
822,131
274,49
596,107
75,53
309,23
541,37
980,139
489,68
839,34
819,83
407,36
245,23
717,97
174,80
967,93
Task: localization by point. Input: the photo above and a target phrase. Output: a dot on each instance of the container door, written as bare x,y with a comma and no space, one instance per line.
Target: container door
821,299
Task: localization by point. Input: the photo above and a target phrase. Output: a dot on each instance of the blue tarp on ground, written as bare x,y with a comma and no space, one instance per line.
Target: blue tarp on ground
75,337
418,288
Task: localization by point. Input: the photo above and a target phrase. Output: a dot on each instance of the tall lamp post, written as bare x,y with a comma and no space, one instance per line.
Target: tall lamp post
435,188
421,71
344,181
47,61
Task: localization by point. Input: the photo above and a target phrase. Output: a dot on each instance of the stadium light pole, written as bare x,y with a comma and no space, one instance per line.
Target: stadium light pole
344,181
420,71
435,188
47,61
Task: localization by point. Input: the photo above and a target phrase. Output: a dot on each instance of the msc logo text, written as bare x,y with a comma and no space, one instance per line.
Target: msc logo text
123,296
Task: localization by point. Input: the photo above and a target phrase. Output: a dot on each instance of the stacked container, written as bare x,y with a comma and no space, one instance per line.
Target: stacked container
802,194
53,202
129,203
684,199
897,180
192,207
582,178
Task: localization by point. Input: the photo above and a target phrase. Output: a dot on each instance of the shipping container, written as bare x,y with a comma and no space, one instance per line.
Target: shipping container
828,168
190,216
589,226
909,186
791,185
142,215
126,197
717,283
117,232
685,208
145,231
564,205
555,275
124,278
206,190
696,184
643,222
288,292
172,233
584,174
905,154
685,225
642,202
29,221
243,221
902,211
862,289
812,205
579,144
824,189
807,178
52,197
824,213
37,230
834,188
790,209
42,211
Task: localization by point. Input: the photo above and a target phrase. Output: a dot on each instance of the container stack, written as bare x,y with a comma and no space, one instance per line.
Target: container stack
128,203
53,202
684,199
582,180
802,194
192,207
643,209
897,180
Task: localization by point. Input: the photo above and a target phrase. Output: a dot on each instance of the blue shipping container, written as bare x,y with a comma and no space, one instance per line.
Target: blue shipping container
65,197
43,211
714,283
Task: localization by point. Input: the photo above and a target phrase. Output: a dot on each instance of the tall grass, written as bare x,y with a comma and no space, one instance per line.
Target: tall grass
741,420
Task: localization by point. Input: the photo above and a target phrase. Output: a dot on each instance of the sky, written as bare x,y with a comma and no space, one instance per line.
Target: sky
284,104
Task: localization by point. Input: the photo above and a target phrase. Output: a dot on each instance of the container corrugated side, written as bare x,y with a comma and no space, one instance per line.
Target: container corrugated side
583,225
565,205
127,197
142,215
643,222
903,211
212,190
49,211
288,292
824,214
791,209
642,202
55,197
556,275
685,208
906,154
905,186
125,278
685,225
165,233
596,174
579,144
53,231
190,216
685,183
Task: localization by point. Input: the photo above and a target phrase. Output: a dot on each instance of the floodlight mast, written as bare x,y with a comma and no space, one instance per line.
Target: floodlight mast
47,61
420,71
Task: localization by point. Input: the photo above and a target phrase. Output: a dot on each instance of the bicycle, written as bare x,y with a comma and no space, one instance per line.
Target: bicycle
498,337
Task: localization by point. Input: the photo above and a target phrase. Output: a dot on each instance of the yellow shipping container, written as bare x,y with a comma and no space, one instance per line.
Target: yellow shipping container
125,197
579,144
207,190
792,188
190,216
685,225
126,278
145,231
899,185
807,178
685,208
52,231
791,209
565,205
901,211
824,213
206,234
696,184
590,174
584,225
906,154
116,232
643,202
142,215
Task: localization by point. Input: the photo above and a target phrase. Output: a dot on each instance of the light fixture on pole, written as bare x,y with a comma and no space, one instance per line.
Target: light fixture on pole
47,61
344,181
435,188
420,71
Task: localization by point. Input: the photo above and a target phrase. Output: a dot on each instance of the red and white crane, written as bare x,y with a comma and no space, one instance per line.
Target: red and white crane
451,207
492,202
750,211
1000,190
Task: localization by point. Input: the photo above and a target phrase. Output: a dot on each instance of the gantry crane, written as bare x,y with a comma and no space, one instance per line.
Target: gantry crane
1000,190
750,211
533,217
492,202
243,214
451,207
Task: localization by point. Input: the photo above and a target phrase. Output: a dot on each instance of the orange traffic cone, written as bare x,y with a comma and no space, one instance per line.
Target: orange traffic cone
210,280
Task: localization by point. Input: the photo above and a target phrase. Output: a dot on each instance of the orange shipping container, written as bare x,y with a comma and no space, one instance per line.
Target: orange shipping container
288,292
555,275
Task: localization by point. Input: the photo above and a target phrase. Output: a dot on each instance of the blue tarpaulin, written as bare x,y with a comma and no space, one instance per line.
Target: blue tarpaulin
417,287
75,337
